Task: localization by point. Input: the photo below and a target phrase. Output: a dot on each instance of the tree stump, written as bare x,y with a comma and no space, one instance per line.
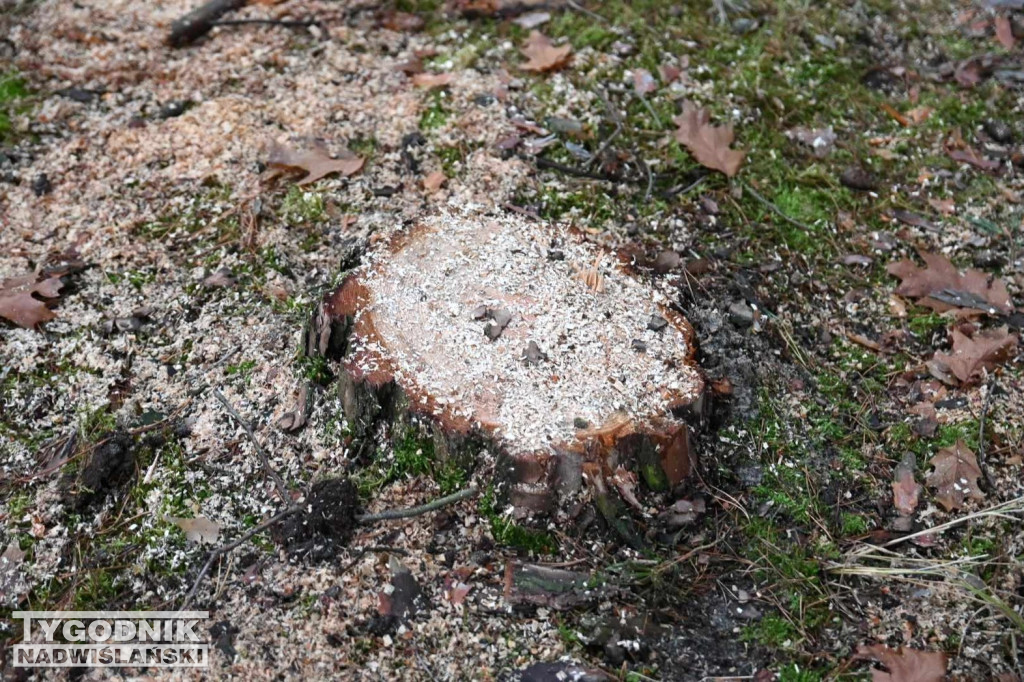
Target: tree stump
519,343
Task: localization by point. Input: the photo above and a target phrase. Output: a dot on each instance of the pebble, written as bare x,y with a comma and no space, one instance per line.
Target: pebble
855,177
1000,131
41,185
174,109
533,354
741,314
657,323
639,346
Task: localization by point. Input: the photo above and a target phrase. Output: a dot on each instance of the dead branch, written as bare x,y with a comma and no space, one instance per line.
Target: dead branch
420,510
282,489
198,22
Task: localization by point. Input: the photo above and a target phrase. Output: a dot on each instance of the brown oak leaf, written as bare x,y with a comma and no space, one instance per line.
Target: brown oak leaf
709,144
955,476
429,81
1004,32
971,355
904,665
544,55
905,490
316,162
22,299
940,277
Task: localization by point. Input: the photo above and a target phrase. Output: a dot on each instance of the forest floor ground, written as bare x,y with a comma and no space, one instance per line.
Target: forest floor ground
872,132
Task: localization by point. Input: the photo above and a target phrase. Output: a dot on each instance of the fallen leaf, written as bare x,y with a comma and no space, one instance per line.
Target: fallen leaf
946,207
905,490
940,275
532,20
12,581
403,22
1004,32
709,144
405,597
199,530
669,73
955,476
428,81
455,590
919,114
643,82
220,278
544,55
913,219
295,419
904,665
973,158
820,140
971,355
433,181
22,299
315,162
626,481
411,66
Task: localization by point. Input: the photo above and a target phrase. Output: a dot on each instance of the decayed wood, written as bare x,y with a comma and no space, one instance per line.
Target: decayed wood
199,21
517,344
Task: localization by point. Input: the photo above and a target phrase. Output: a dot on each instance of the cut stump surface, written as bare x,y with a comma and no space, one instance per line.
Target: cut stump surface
522,338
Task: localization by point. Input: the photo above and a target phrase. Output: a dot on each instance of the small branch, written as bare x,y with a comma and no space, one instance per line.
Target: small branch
224,549
420,510
684,189
198,22
282,489
543,162
981,435
287,23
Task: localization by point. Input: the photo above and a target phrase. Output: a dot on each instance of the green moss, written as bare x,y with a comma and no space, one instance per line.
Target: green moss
508,533
13,95
435,114
771,631
853,524
303,206
242,370
925,325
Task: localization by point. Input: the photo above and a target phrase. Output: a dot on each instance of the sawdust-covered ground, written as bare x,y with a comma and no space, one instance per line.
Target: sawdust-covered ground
141,171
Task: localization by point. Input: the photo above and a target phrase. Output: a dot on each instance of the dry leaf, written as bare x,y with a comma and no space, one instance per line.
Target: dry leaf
919,114
971,355
315,162
432,80
433,181
626,481
1004,32
940,276
199,530
296,418
820,140
20,306
904,665
946,207
955,476
544,55
972,157
905,490
707,143
643,82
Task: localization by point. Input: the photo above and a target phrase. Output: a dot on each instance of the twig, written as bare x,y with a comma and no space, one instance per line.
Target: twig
521,211
981,435
775,209
543,162
287,23
420,510
224,549
684,189
580,8
282,489
199,21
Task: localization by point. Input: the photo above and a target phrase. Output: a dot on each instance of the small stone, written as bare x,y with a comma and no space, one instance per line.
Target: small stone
556,255
741,314
639,346
1000,131
221,278
855,177
501,317
657,323
174,109
481,312
580,423
41,185
533,355
667,261
493,331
